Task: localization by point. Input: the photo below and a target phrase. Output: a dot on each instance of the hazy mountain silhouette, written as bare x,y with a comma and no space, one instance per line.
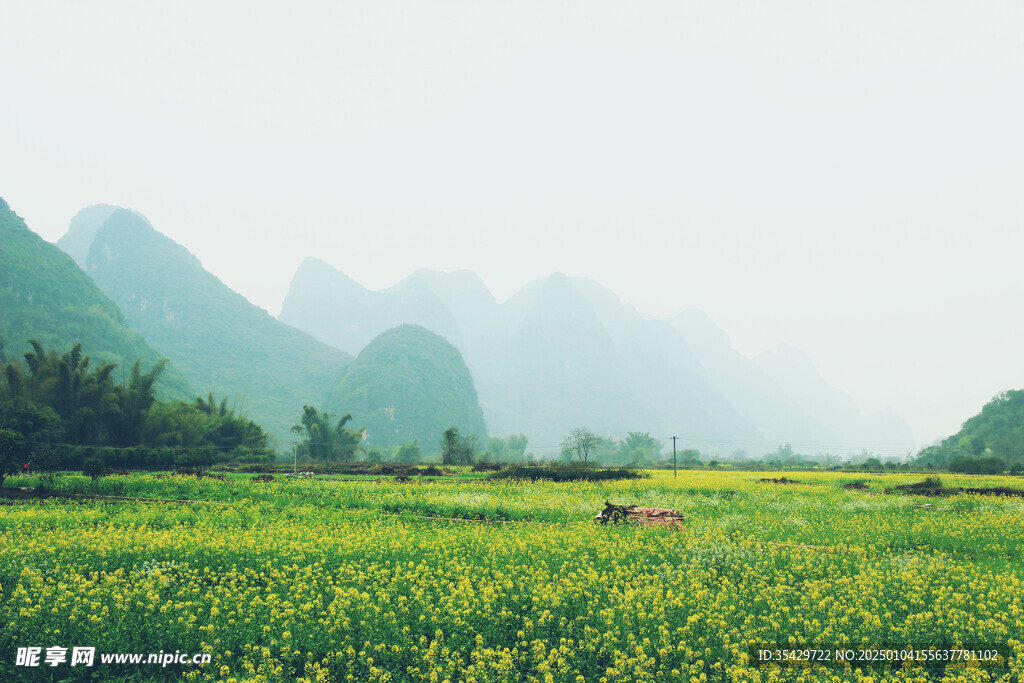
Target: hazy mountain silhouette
798,377
564,352
338,311
408,383
756,396
472,308
219,341
576,356
45,296
560,369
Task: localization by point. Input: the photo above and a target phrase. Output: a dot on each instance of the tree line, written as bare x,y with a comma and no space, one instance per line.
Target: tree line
64,404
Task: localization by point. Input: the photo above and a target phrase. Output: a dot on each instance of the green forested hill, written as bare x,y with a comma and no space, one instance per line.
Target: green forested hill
408,383
996,432
221,342
45,296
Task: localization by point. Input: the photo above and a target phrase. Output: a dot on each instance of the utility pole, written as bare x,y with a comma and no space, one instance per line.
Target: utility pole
674,474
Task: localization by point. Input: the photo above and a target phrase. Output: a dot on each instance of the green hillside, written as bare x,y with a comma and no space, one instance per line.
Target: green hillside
408,383
220,342
45,296
992,439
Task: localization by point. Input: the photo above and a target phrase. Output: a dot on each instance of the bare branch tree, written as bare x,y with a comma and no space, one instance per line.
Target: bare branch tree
581,441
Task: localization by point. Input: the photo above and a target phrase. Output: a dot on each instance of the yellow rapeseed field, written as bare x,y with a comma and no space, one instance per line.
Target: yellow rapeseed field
351,581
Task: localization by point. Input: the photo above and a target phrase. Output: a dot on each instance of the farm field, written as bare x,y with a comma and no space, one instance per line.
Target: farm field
354,581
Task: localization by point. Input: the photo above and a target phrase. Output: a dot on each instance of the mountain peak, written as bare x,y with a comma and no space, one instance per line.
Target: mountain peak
126,232
317,270
45,296
339,311
84,226
220,341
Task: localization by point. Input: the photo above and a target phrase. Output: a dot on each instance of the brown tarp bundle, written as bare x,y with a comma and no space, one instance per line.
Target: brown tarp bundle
639,515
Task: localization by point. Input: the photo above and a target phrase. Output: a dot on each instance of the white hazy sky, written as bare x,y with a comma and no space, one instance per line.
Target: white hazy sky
843,177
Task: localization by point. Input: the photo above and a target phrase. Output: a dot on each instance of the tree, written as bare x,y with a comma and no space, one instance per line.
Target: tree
12,450
7,468
32,420
86,401
641,447
205,424
59,398
457,449
93,468
324,442
45,463
515,447
783,453
509,449
581,441
409,452
468,449
88,406
449,446
135,399
689,458
872,464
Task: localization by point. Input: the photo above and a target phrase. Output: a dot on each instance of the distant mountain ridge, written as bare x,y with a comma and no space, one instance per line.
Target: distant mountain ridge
45,296
220,341
325,290
792,370
565,352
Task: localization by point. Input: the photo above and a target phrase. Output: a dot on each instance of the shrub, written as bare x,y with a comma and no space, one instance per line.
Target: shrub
563,474
45,463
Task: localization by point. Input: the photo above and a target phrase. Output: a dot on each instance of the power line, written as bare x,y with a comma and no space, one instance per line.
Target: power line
845,447
770,444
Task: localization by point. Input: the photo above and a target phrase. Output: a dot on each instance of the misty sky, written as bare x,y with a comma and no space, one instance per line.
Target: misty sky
845,178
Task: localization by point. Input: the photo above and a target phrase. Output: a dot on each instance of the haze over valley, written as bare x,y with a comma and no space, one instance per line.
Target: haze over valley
753,225
562,352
